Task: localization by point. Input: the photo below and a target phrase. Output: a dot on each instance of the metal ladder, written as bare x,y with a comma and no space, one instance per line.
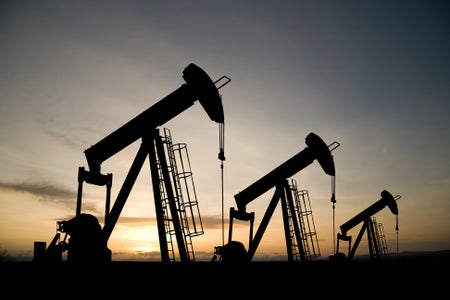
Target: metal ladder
185,194
302,208
377,244
166,213
382,240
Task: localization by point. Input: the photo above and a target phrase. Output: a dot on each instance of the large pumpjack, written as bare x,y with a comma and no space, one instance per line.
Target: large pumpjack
84,238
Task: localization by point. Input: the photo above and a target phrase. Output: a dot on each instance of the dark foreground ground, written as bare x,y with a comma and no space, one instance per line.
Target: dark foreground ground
402,277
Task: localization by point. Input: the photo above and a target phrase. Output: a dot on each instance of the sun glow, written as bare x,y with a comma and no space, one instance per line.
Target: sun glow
142,249
134,239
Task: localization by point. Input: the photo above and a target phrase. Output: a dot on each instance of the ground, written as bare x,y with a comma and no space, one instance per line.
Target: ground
409,276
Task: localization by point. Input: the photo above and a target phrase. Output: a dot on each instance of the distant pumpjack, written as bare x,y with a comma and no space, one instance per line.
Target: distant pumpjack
365,217
316,150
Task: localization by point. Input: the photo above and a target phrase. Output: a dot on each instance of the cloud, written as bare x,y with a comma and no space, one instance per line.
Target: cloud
44,191
209,222
63,139
212,222
41,189
135,221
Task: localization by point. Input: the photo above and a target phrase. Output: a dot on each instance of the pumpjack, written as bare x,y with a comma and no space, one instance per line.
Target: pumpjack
366,218
235,251
88,240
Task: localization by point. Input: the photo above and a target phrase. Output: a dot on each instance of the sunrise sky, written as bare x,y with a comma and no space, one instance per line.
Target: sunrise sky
370,75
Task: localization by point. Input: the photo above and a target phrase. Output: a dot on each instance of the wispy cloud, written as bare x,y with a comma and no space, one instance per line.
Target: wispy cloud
51,194
135,221
209,222
63,138
44,191
212,222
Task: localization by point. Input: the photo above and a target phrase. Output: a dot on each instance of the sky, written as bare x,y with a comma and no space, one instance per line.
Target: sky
371,76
